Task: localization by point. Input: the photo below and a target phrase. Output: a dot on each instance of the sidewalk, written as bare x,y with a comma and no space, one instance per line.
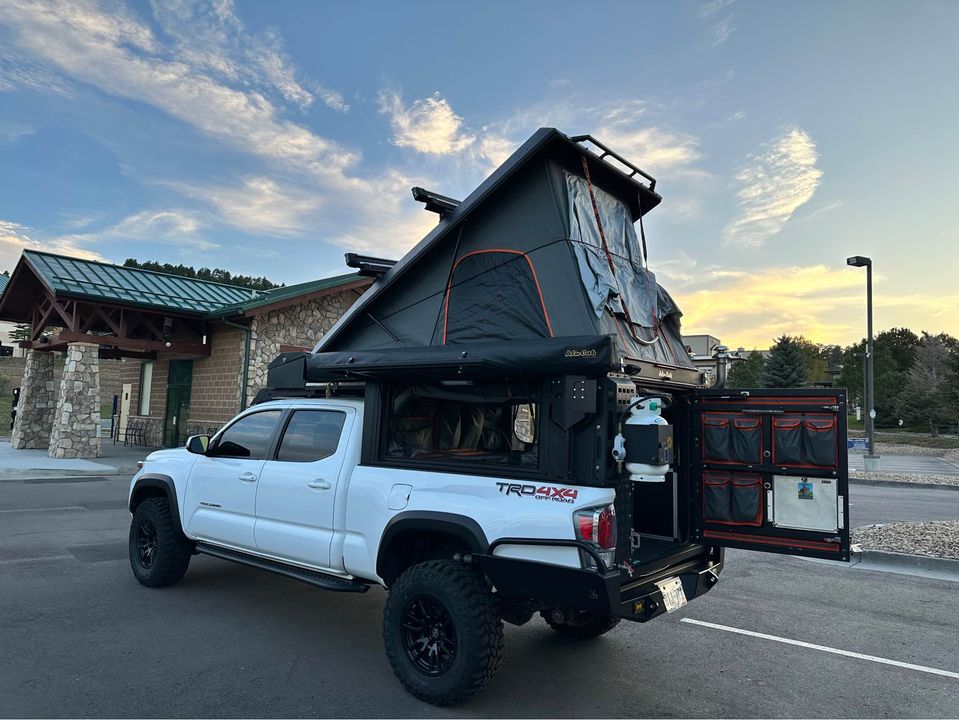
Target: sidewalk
115,460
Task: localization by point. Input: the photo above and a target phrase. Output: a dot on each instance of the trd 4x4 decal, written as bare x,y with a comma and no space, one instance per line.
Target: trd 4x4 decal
543,492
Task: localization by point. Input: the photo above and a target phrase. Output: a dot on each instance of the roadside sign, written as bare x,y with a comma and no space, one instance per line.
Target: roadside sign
858,444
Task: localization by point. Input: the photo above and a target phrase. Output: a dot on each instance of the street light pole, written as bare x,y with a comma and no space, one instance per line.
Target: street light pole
871,459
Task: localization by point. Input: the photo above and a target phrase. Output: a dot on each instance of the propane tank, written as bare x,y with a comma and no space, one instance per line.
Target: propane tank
647,412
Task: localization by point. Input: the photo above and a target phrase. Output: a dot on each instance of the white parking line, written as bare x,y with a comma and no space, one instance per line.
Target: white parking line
823,648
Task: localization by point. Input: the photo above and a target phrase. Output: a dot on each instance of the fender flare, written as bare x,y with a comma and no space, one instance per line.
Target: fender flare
460,526
161,482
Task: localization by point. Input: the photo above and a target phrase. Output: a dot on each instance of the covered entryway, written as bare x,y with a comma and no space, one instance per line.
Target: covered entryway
85,311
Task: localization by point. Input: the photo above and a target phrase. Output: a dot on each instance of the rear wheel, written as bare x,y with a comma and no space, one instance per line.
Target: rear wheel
159,552
580,625
443,635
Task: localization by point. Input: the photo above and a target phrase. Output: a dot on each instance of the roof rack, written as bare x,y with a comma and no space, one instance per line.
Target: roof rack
369,266
434,202
616,156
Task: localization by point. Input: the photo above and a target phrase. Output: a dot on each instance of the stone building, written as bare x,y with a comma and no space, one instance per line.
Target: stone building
182,355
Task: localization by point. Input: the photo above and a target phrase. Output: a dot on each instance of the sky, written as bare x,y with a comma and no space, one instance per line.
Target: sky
270,138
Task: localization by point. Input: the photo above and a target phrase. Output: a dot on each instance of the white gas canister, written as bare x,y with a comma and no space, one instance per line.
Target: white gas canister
647,412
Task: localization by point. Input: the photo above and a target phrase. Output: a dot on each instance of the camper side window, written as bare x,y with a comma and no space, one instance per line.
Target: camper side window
463,423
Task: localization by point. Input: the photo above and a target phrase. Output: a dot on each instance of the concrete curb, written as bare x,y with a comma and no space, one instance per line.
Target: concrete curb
900,483
922,565
34,473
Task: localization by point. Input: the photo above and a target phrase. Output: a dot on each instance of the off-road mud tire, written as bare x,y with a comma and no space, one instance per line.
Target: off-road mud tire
171,556
468,599
586,625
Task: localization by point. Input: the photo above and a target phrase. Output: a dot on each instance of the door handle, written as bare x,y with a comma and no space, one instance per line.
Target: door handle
319,485
247,477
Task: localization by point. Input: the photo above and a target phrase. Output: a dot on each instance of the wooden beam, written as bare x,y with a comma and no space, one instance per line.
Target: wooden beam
59,342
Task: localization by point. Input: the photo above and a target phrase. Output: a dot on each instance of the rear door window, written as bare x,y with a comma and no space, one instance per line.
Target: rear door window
311,435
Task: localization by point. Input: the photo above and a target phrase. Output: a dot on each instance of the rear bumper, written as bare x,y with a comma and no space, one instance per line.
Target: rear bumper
616,594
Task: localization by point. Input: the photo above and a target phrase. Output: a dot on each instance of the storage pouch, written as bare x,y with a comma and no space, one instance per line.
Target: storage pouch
787,440
747,441
716,443
819,441
716,504
746,497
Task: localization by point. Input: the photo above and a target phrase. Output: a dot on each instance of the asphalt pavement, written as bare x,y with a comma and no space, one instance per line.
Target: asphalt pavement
79,637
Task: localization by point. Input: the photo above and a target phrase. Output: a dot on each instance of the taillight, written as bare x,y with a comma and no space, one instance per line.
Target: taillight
598,527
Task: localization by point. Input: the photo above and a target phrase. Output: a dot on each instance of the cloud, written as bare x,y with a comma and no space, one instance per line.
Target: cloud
823,303
211,36
708,9
773,184
428,125
121,56
14,238
259,204
722,30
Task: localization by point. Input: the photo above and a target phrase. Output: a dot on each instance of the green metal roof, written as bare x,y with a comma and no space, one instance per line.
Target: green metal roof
103,282
288,292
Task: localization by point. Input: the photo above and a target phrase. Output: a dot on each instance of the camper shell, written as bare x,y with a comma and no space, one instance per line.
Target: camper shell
513,338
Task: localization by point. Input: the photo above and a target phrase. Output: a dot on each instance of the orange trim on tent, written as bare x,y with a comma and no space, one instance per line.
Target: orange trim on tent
449,286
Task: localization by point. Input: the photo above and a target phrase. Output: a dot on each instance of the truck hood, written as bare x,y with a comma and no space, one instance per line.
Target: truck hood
171,454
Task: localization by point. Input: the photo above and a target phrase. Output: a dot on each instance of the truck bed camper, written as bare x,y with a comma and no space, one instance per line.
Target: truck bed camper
526,337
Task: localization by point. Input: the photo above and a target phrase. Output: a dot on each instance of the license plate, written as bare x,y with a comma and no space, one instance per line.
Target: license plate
674,597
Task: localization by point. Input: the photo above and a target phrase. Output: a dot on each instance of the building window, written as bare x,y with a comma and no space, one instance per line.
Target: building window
146,386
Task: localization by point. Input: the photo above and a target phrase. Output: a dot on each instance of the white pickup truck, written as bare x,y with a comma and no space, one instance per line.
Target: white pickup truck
287,487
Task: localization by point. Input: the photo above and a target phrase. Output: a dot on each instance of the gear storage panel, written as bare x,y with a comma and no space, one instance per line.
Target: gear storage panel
769,467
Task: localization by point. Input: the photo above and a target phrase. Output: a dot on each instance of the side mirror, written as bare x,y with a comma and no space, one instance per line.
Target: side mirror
198,444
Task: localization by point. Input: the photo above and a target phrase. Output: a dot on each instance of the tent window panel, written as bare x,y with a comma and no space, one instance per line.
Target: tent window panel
494,295
479,424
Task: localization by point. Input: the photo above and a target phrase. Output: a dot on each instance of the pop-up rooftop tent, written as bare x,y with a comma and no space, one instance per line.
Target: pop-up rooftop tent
543,257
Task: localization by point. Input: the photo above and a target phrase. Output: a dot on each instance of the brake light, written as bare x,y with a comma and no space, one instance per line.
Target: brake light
597,526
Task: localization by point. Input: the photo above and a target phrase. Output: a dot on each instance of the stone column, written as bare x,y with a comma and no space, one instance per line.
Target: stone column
38,399
76,422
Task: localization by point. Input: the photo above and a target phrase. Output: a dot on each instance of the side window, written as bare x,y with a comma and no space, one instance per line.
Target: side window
248,437
311,435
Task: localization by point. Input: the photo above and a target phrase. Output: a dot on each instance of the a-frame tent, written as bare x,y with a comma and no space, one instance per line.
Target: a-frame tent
545,248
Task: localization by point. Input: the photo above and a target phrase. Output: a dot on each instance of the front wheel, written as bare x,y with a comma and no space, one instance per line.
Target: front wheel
443,635
159,552
580,625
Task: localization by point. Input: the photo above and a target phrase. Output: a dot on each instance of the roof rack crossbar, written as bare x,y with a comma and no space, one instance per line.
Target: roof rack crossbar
611,153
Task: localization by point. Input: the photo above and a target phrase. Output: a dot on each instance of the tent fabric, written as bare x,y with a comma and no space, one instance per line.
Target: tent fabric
520,262
494,295
623,294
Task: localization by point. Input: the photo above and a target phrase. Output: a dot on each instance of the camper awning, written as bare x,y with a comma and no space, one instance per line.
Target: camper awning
589,355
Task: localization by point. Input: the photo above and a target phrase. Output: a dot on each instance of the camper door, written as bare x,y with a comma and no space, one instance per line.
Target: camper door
768,471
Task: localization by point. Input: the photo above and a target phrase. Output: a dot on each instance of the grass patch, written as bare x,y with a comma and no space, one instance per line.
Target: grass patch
6,403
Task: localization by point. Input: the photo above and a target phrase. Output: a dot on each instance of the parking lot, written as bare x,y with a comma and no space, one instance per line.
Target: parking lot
79,637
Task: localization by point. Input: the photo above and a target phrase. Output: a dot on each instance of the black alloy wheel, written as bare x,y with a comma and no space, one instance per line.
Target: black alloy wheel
429,635
146,544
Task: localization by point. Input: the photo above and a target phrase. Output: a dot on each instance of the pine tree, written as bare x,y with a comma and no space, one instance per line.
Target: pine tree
786,365
748,373
924,400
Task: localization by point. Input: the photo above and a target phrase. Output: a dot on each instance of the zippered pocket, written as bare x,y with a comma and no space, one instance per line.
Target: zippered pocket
716,443
819,441
747,441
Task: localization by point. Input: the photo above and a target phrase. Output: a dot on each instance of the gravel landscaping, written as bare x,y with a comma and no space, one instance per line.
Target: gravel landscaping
897,449
935,539
903,477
